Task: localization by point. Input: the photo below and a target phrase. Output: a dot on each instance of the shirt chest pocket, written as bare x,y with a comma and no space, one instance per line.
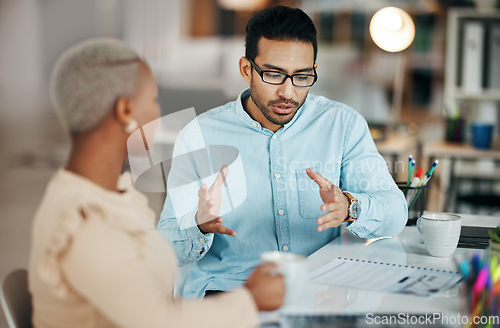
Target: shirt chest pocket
308,195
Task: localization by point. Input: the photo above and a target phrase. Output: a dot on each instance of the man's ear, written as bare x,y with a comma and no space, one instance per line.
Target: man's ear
123,110
245,69
316,66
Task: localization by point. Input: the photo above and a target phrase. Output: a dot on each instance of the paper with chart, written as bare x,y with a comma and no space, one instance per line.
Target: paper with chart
384,277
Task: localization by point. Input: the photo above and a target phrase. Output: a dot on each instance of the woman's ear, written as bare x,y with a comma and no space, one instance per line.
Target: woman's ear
123,110
245,69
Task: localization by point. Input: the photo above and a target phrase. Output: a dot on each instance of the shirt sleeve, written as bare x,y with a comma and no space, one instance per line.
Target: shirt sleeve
365,176
110,271
189,244
177,220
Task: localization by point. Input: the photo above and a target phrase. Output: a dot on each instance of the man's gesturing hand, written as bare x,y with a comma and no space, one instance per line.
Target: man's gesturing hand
334,202
209,204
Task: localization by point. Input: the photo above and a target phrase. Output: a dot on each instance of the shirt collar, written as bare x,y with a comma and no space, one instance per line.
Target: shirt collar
241,111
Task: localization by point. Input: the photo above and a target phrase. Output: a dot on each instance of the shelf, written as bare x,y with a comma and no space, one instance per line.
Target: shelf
442,149
457,18
493,95
474,13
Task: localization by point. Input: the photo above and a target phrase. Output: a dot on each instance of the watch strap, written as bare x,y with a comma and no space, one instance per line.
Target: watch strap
350,199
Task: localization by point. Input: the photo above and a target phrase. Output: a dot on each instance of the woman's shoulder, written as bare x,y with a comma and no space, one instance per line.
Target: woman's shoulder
72,212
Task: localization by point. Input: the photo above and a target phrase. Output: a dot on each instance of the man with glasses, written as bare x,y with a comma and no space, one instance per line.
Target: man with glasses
310,165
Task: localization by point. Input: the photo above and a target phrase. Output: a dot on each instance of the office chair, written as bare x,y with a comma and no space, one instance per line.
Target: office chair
16,299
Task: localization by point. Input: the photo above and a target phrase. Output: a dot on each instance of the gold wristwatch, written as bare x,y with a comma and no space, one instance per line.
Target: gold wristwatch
354,208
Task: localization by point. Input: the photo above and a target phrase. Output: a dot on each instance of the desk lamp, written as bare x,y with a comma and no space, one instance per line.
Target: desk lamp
392,30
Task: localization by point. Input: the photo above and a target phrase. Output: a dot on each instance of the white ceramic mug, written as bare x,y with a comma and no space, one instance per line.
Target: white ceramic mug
440,232
294,270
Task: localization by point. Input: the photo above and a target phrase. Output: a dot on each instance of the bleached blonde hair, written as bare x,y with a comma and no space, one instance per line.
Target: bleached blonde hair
88,79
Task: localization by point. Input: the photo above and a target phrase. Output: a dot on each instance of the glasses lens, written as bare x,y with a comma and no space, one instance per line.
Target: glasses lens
273,77
303,80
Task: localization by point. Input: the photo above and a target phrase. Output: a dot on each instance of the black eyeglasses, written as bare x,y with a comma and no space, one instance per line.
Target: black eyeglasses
274,77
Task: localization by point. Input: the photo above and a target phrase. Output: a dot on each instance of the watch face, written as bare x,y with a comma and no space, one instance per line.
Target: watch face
355,210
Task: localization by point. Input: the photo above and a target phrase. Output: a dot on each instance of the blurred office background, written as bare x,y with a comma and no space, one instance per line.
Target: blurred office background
194,46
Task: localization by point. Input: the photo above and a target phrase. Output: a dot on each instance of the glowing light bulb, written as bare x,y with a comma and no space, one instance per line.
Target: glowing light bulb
392,21
242,5
392,29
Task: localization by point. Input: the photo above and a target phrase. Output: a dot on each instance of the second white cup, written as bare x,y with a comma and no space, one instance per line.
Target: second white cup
294,270
440,232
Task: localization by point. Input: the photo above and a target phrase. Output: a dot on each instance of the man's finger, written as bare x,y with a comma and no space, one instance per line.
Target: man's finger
215,220
224,230
318,178
330,216
215,226
229,232
330,206
330,224
203,190
219,180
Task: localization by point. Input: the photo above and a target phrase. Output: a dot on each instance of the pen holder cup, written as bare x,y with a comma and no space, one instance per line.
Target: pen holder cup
415,199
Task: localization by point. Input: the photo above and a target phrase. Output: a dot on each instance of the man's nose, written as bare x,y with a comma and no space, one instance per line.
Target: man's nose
286,90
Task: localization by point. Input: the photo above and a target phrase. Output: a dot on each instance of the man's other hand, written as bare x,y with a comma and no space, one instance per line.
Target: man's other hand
334,201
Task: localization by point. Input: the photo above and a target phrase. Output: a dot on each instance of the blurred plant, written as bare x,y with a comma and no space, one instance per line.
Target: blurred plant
495,234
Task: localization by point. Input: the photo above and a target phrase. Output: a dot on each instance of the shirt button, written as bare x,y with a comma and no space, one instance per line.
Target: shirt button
277,175
281,212
275,137
285,248
254,124
202,240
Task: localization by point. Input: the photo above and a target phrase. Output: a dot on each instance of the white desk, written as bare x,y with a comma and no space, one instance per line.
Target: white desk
406,249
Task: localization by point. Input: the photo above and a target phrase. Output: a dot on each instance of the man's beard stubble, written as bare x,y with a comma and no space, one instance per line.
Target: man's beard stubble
278,119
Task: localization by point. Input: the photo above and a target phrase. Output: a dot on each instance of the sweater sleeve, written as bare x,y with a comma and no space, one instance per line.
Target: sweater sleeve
111,270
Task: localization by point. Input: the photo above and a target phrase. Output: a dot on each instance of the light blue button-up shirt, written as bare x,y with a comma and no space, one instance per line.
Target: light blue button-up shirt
282,203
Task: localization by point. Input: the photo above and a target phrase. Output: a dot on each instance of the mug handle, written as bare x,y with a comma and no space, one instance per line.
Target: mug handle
420,227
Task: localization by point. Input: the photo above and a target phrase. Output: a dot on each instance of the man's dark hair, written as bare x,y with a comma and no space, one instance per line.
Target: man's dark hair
279,23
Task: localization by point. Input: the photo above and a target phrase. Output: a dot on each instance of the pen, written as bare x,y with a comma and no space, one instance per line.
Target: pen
414,184
496,288
465,270
423,179
496,274
474,313
416,179
426,179
410,169
422,183
476,264
428,175
494,270
479,285
433,167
